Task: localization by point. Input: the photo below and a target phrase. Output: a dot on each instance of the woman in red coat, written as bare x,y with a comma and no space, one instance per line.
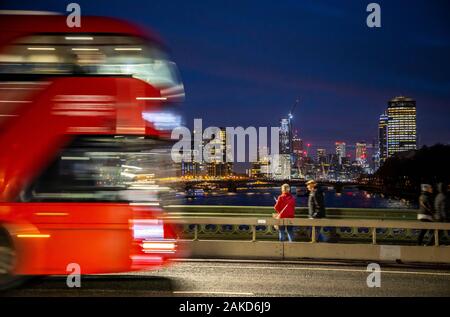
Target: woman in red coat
285,208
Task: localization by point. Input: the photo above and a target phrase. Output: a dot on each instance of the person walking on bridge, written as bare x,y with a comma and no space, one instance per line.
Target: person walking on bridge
425,212
316,205
441,207
442,203
285,208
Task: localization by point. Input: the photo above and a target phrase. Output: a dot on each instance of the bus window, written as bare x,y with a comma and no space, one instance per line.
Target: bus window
108,169
91,54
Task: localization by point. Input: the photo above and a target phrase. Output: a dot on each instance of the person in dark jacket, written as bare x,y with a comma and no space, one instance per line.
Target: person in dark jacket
441,207
285,208
442,203
316,205
425,212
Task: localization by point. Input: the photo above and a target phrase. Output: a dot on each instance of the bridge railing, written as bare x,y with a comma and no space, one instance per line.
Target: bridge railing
243,232
265,211
275,249
312,223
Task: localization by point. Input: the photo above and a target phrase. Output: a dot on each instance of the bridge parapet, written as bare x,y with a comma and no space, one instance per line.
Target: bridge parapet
261,211
266,231
376,246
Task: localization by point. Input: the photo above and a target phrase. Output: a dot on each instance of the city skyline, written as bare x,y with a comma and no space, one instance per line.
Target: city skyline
397,132
247,64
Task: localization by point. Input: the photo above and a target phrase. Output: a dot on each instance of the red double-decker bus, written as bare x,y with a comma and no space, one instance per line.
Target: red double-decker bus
85,162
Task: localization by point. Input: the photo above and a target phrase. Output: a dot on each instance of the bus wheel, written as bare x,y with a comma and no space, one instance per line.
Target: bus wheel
7,261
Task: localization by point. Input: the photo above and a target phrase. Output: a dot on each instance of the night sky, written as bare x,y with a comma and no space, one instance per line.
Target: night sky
245,62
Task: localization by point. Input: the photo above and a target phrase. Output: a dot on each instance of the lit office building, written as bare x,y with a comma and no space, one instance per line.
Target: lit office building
285,167
285,137
193,168
321,156
261,168
402,128
254,171
190,169
382,154
280,166
297,156
284,159
219,167
297,145
361,153
340,151
333,159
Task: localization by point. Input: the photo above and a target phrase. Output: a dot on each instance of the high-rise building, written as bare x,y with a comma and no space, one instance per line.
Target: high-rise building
280,166
219,167
333,160
297,145
402,127
340,151
321,156
284,159
382,139
261,168
285,136
297,155
285,166
361,153
193,168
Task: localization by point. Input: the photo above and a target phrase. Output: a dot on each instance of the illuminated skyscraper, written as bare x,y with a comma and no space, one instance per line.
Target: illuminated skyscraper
382,139
261,168
285,137
361,153
340,151
284,159
297,155
402,128
192,167
297,145
321,156
219,167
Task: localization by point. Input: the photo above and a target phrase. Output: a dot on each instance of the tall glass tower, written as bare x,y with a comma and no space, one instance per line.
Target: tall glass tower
401,127
285,136
361,153
382,139
340,151
285,154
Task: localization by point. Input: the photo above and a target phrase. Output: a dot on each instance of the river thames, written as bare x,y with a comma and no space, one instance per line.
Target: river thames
348,198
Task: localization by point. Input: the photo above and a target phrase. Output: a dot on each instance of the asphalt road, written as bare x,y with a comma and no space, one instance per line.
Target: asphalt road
240,279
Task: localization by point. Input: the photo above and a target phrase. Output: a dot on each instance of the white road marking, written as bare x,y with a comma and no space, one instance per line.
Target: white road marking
213,293
318,269
253,261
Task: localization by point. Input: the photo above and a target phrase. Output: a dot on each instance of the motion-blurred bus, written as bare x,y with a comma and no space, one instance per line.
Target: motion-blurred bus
85,163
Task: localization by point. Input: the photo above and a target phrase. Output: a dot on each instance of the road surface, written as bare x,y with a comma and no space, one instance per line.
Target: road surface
231,278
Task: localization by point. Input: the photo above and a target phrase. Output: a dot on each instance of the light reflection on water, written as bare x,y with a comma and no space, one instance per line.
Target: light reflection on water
352,198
